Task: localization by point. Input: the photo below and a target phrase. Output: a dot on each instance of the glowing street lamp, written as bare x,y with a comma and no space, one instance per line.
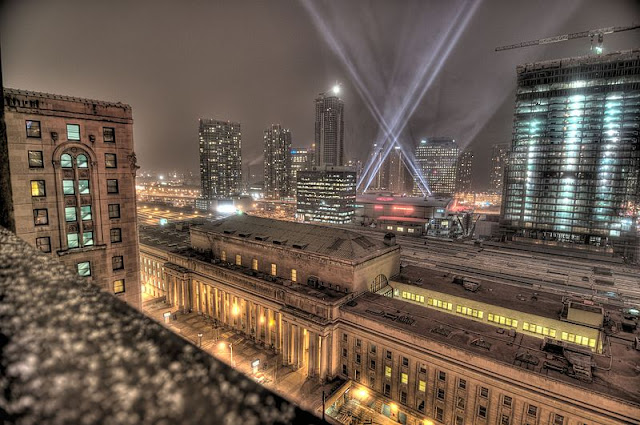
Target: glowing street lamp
336,89
200,339
223,345
362,393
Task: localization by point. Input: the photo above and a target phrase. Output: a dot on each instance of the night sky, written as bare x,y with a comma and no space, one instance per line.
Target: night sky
264,62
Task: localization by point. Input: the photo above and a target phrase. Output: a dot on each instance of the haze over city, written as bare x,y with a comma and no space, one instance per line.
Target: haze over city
260,63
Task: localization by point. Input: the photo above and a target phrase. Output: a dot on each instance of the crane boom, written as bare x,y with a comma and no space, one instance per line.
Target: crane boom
565,37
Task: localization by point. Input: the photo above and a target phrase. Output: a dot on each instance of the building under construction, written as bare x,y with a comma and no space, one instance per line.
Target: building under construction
573,174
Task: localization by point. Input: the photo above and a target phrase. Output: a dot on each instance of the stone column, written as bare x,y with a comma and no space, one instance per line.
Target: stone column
278,329
312,357
286,351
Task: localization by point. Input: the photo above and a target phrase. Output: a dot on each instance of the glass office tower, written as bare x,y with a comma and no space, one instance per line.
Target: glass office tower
573,171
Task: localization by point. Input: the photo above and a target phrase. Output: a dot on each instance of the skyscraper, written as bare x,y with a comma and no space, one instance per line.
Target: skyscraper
220,158
400,179
464,169
326,194
329,129
499,156
301,159
72,170
574,167
277,162
437,158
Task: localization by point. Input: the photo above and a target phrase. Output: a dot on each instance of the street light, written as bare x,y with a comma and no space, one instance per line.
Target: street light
166,316
199,339
222,346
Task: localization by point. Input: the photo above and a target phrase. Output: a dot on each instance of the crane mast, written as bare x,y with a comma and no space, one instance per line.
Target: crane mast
596,35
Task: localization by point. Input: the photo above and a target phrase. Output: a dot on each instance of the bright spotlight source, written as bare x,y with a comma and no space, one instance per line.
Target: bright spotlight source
336,89
362,393
226,209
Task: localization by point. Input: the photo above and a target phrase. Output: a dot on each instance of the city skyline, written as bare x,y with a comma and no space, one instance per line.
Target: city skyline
445,110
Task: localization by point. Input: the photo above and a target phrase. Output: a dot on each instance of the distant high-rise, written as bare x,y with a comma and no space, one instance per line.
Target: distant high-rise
574,169
301,159
400,179
220,158
463,172
326,194
329,129
277,162
380,180
437,157
499,156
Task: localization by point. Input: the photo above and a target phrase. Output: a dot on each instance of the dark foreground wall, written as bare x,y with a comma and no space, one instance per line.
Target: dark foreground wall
70,354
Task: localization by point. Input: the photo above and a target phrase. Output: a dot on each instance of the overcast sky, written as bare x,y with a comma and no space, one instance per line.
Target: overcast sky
263,62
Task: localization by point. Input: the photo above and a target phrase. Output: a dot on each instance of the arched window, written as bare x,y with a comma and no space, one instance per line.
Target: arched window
66,161
82,161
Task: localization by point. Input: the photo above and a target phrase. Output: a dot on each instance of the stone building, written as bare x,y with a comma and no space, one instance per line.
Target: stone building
73,172
334,303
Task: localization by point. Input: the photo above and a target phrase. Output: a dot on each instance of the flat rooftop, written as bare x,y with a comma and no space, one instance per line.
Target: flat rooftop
40,95
527,300
437,202
324,240
166,238
622,381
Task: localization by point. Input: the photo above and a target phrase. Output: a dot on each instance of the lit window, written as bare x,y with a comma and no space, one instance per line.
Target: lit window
37,188
422,386
82,161
274,269
87,239
118,286
223,255
254,264
83,187
404,378
400,229
33,129
66,161
40,217
294,275
73,132
238,260
85,212
70,214
110,160
68,187
387,371
35,159
84,268
72,240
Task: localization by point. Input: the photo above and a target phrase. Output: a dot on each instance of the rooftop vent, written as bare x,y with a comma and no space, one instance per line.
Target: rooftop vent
299,245
441,330
228,232
481,343
261,238
406,320
244,235
279,242
389,239
471,285
336,244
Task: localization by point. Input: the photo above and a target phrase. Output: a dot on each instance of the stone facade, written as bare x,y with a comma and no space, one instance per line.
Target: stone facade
73,182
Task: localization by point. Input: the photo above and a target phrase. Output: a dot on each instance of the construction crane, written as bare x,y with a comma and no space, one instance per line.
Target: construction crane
597,35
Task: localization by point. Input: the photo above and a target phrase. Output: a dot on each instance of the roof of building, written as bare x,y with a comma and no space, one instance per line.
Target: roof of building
580,60
439,202
486,340
404,219
324,240
167,237
18,92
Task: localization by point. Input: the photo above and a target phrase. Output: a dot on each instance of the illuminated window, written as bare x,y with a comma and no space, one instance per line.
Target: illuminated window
400,229
254,264
223,255
294,275
238,260
274,269
84,268
404,378
73,240
73,132
411,230
87,238
82,161
389,227
38,188
70,214
387,371
118,286
422,386
85,212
